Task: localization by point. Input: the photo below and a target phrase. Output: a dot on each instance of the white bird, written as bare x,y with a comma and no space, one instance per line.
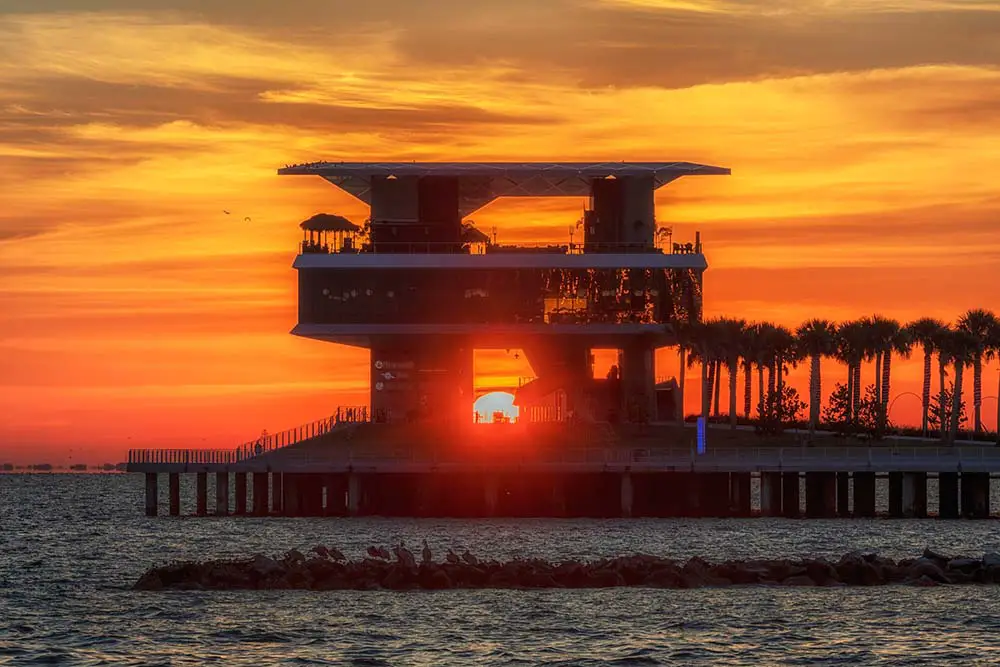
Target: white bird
337,555
452,557
426,553
470,559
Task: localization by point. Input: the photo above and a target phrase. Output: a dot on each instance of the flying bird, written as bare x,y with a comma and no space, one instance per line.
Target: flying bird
226,212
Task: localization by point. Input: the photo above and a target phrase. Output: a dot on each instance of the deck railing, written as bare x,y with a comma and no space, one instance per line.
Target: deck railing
880,459
459,248
267,442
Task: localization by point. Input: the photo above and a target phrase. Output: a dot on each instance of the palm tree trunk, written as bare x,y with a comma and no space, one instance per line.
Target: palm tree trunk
884,404
718,387
706,388
857,391
814,392
850,393
747,387
878,377
977,392
734,370
942,412
925,397
711,387
770,388
998,412
760,391
956,404
680,385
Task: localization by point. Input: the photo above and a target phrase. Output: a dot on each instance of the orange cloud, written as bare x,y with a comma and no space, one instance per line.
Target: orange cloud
861,140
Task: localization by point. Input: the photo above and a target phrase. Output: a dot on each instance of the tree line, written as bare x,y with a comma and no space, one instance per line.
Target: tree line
765,349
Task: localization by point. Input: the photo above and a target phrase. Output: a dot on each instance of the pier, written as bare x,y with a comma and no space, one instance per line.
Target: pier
371,469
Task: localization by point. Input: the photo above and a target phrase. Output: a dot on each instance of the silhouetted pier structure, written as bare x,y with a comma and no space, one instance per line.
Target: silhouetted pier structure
364,468
422,289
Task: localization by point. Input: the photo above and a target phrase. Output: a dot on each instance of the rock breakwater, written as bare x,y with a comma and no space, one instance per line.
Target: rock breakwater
328,570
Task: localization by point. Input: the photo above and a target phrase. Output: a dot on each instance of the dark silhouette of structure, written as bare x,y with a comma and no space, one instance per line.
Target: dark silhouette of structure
422,289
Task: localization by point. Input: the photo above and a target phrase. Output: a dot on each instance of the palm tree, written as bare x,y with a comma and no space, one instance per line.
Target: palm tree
926,332
750,354
683,333
816,339
897,339
702,352
963,348
730,334
851,350
944,358
993,352
978,323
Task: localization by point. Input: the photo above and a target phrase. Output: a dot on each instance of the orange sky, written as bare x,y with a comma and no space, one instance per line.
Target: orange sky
862,135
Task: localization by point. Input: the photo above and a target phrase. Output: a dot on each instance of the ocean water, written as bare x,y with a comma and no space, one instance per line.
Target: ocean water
71,546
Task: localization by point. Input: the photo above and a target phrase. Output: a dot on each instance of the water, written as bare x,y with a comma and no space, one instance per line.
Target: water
72,545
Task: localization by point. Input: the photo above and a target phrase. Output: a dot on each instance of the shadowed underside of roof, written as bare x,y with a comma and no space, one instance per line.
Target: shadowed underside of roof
482,182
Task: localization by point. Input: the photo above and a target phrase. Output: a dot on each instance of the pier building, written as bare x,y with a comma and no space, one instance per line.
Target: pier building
422,289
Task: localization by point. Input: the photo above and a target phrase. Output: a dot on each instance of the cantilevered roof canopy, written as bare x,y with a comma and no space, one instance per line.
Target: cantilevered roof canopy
482,182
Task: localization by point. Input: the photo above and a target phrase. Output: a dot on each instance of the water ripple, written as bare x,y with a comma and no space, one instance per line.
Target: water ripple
70,547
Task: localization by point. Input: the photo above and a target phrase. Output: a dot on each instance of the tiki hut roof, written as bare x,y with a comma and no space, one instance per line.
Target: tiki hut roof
328,222
472,234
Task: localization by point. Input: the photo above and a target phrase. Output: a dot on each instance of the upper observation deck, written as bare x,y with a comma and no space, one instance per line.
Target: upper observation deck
479,183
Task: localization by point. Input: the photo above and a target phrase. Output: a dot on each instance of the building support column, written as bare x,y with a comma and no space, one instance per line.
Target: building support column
152,493
260,489
221,493
739,494
201,494
290,494
241,494
915,495
948,495
174,491
864,494
277,492
770,494
790,504
821,495
714,491
843,494
896,495
336,491
628,495
353,494
976,495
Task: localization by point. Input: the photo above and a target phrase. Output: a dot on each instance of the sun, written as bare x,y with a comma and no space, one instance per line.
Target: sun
495,406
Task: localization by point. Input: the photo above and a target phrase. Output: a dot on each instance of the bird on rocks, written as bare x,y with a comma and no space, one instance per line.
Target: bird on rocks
426,554
452,557
404,556
470,559
336,555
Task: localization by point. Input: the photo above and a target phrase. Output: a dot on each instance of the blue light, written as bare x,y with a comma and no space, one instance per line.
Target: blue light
701,435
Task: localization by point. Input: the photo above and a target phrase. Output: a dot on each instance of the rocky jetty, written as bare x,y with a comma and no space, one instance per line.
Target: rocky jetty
328,569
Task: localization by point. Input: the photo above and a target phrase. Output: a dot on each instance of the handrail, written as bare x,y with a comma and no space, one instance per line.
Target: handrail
871,458
533,247
267,442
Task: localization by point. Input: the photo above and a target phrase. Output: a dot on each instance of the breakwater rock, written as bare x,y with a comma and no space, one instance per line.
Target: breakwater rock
323,570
